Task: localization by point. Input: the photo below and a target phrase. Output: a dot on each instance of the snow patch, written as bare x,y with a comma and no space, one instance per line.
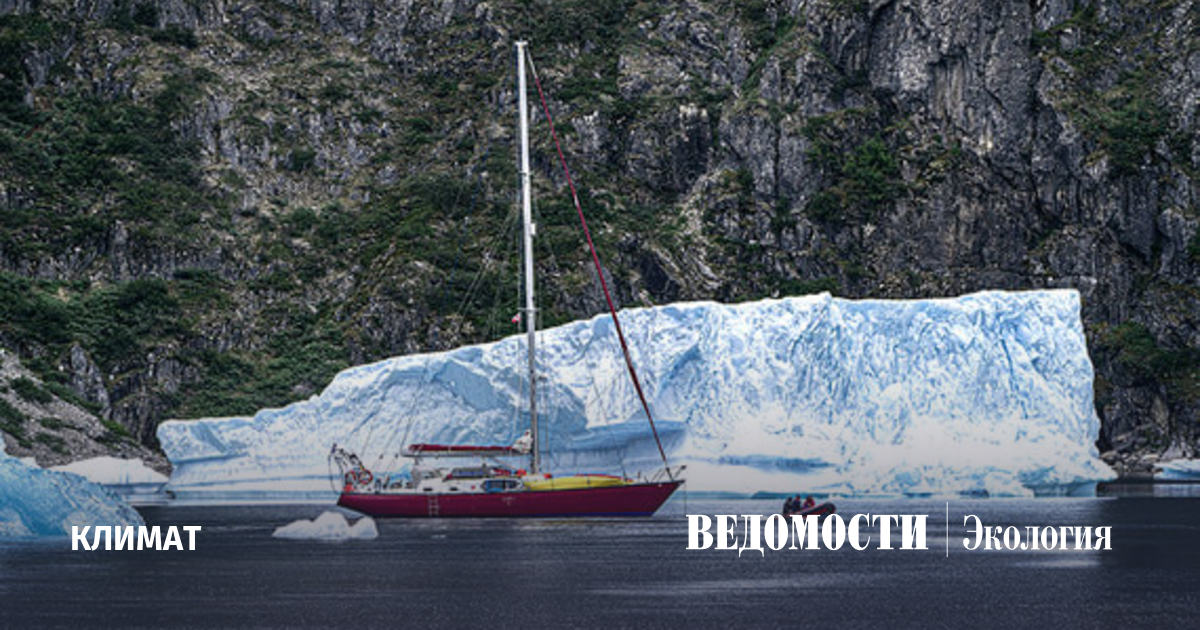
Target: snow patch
329,526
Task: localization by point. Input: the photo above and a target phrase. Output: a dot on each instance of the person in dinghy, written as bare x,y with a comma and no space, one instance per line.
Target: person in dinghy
794,506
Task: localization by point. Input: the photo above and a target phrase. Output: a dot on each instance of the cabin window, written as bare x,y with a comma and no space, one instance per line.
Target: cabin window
500,485
469,473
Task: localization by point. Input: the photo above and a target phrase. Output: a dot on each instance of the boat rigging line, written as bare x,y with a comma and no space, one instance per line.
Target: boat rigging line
596,261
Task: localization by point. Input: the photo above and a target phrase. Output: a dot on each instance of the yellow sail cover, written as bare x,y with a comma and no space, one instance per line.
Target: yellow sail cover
573,482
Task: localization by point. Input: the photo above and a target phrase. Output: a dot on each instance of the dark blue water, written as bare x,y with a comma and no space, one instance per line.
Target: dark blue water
616,573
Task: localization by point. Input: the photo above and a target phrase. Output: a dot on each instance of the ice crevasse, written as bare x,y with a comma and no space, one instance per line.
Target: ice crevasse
985,393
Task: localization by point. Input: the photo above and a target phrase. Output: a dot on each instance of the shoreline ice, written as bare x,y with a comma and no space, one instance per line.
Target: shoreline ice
1179,470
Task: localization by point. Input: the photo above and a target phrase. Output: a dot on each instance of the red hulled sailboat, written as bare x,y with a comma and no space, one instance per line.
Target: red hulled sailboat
482,483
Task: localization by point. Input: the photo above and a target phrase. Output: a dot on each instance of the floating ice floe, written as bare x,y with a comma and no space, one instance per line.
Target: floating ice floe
329,526
37,502
987,394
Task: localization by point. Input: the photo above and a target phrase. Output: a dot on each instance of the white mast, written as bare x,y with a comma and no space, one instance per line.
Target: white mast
530,230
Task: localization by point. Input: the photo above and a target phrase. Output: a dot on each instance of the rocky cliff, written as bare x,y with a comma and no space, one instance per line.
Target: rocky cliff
208,206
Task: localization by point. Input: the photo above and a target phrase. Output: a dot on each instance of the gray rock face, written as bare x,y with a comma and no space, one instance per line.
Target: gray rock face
887,148
87,381
55,431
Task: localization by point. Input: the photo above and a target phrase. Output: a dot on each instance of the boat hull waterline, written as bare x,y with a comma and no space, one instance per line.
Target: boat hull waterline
639,499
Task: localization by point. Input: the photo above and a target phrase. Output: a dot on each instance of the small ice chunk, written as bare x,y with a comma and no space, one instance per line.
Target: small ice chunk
329,526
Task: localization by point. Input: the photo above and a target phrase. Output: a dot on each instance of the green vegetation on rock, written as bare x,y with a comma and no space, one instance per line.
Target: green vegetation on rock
1128,125
1137,349
88,162
27,389
56,443
52,423
865,179
12,422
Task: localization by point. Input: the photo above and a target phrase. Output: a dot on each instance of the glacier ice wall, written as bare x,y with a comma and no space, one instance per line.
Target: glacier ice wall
37,502
989,392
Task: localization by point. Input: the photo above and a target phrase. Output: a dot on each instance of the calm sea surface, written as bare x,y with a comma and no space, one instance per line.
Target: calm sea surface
617,573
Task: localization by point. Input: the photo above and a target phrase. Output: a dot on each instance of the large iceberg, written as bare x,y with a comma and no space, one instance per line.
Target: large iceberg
36,502
986,393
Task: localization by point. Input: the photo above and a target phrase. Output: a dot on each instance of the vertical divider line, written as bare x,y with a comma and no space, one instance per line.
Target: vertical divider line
947,529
